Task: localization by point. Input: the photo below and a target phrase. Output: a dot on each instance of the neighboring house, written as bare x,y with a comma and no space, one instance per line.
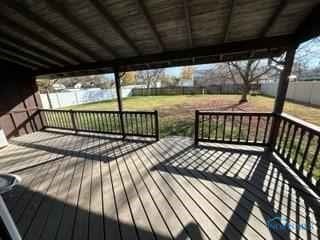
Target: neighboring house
58,87
186,83
78,86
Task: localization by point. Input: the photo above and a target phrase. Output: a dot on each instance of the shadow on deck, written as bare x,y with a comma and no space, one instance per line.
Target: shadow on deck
164,190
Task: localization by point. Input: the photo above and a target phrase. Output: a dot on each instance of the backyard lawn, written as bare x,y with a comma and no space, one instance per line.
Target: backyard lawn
177,112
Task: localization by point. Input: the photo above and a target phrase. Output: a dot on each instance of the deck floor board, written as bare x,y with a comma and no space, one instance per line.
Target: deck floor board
91,187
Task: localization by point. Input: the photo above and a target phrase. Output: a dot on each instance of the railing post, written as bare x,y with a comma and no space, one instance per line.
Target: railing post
74,126
157,125
196,128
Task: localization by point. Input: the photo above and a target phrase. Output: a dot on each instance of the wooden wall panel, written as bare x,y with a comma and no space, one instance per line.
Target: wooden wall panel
19,99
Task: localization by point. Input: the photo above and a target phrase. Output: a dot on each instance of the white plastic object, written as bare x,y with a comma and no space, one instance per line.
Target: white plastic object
3,139
7,182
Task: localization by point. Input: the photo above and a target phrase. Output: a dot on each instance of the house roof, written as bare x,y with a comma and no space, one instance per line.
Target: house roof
74,37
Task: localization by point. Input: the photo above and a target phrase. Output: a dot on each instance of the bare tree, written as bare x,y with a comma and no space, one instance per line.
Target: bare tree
45,85
150,77
249,72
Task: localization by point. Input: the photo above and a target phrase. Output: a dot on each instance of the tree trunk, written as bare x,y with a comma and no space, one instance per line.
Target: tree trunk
245,92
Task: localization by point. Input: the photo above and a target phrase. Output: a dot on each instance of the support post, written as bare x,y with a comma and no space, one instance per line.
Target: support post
119,99
281,96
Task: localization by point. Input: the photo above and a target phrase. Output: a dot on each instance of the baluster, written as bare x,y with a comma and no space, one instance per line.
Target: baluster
73,121
49,118
314,160
56,117
141,122
306,151
209,136
298,148
87,121
266,130
107,119
60,119
114,126
55,122
202,125
257,129
136,121
249,128
146,121
287,158
217,126
286,140
240,126
232,123
94,118
157,125
132,124
99,117
126,127
224,126
151,124
284,124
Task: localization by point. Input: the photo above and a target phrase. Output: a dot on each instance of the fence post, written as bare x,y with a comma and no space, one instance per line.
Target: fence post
196,128
74,126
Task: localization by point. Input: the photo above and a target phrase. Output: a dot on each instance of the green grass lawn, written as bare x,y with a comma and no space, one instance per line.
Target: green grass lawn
177,112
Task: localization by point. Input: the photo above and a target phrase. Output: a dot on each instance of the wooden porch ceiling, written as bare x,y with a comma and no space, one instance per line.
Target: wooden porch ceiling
91,36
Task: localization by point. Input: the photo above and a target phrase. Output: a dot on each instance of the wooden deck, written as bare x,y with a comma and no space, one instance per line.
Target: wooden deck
87,187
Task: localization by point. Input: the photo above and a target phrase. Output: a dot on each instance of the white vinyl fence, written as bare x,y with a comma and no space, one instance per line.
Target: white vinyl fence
64,99
301,91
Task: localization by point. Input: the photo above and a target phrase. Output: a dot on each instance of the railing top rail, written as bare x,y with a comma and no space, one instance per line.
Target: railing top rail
19,110
98,111
303,124
233,113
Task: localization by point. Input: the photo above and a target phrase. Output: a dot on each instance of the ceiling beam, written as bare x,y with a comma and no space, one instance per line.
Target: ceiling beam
275,44
17,61
144,12
273,18
103,11
309,27
228,21
67,15
22,58
20,52
188,22
53,58
26,13
35,36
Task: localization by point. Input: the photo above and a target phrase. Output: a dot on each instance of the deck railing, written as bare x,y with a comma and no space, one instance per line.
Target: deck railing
297,142
233,127
131,123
